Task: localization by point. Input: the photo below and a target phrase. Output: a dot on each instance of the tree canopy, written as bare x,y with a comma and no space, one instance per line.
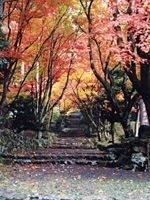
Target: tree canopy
73,51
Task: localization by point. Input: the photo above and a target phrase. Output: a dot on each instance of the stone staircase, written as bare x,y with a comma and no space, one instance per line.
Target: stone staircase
74,126
72,146
69,150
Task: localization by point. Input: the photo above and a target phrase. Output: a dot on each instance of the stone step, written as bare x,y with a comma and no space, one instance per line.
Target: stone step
72,142
65,156
72,132
85,156
67,161
73,129
72,146
77,126
71,139
61,146
74,120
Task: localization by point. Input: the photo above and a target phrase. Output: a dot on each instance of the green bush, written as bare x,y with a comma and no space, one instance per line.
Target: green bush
23,115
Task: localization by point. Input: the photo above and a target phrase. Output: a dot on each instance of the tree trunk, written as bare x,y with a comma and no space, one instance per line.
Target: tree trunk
112,132
145,80
127,128
99,135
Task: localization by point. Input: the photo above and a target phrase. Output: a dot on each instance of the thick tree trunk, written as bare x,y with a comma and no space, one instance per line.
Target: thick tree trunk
145,81
143,84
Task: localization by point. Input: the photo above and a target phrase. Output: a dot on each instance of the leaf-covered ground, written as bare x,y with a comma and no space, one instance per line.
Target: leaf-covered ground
74,181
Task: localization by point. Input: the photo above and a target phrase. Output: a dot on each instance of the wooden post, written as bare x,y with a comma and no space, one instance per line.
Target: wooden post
143,114
148,154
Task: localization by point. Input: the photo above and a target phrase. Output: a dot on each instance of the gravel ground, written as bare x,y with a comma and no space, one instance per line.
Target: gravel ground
73,182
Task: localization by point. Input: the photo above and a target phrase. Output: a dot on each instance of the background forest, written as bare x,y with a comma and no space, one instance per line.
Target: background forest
86,55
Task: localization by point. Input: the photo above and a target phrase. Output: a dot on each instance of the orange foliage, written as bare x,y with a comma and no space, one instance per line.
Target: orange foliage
48,33
37,33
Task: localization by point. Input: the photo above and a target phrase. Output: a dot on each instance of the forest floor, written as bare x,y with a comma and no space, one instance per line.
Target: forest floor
72,182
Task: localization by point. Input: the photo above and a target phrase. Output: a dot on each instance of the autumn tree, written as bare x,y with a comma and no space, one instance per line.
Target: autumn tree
104,57
39,53
132,26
